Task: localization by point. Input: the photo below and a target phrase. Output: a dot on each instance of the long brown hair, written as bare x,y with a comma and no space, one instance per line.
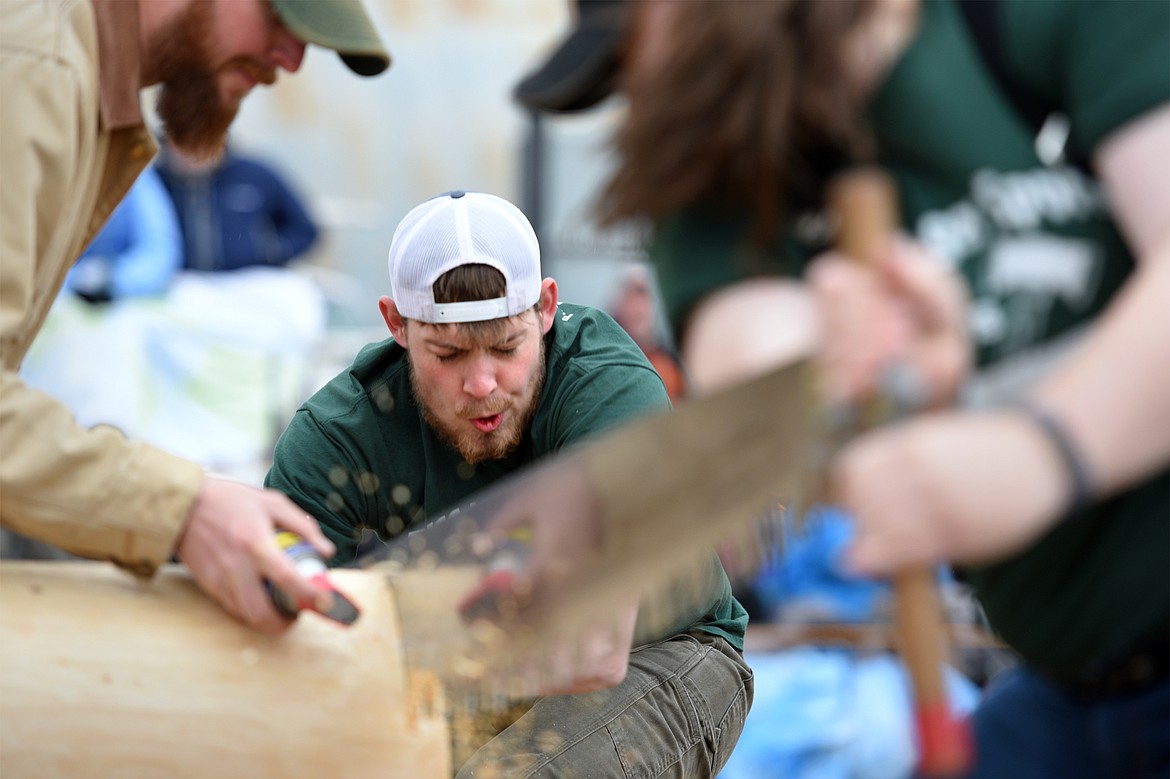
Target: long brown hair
749,95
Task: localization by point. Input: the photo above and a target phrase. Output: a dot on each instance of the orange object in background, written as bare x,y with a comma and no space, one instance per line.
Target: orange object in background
634,308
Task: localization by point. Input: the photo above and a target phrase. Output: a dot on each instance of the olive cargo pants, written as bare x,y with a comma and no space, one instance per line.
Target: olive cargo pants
678,713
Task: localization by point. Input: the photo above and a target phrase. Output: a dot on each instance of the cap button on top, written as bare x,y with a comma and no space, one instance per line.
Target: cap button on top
458,193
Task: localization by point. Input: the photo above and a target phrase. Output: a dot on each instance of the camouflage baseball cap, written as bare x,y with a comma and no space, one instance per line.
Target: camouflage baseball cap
341,25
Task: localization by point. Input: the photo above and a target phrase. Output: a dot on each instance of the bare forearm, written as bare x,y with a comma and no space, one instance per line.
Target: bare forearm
1113,396
747,329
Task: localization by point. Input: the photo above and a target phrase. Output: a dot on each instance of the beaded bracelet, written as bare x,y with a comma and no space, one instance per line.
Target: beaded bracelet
1074,465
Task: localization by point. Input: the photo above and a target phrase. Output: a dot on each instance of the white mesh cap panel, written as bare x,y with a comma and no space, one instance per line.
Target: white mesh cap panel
463,228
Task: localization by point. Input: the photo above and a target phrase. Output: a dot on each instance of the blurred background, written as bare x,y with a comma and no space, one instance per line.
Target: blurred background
210,360
365,151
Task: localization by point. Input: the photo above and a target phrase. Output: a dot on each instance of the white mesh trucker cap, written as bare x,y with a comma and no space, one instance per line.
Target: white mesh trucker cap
463,228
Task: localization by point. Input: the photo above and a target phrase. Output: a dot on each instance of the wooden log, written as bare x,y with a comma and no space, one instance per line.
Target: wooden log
104,676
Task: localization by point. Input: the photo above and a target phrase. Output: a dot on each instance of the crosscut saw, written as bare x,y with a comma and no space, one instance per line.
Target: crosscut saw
492,593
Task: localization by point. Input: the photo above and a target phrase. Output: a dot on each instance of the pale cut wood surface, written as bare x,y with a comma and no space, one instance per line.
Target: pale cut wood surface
435,639
103,676
438,642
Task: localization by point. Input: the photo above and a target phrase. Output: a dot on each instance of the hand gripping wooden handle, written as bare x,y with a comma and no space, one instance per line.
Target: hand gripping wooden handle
865,204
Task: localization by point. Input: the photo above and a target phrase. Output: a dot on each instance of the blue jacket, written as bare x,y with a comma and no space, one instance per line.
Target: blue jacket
139,249
236,214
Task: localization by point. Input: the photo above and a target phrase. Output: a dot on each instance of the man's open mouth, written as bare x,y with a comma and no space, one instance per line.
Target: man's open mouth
489,423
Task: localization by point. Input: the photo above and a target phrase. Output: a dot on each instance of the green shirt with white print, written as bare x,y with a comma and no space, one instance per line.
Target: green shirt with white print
1042,256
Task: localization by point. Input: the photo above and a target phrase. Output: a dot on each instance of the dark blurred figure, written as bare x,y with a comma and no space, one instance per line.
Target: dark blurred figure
235,211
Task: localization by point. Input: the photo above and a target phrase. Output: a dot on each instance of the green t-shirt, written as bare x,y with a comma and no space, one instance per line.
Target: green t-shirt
1042,258
359,455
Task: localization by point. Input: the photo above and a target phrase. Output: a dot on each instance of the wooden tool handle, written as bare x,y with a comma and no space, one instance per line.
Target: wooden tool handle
865,204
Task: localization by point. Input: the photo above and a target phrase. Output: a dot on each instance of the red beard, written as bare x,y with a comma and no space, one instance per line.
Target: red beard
195,117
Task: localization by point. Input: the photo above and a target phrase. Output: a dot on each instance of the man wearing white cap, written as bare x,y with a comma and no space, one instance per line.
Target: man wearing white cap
486,372
72,141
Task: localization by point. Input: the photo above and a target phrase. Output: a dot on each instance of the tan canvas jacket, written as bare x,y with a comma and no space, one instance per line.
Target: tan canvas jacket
71,144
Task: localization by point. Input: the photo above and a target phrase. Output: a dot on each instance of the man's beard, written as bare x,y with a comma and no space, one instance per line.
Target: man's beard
195,118
477,447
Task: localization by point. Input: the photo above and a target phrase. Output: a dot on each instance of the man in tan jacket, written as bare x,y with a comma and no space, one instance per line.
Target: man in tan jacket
72,140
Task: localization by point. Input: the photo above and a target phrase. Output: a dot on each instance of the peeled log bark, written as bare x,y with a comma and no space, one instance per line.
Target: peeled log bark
104,676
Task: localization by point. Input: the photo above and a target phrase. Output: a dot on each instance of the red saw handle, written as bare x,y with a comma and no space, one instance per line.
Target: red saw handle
865,204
